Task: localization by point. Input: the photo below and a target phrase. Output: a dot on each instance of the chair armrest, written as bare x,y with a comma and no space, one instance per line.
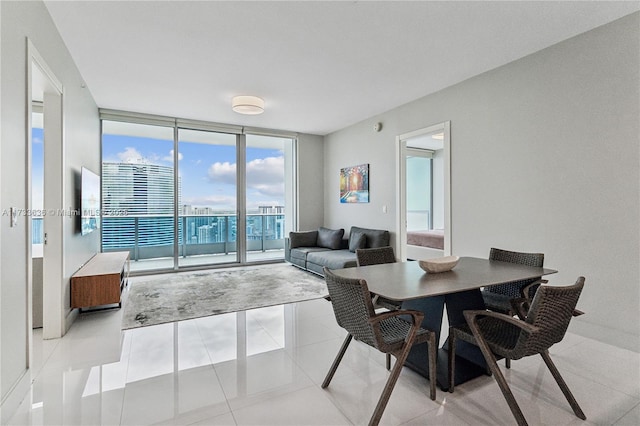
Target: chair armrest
416,316
524,291
471,317
520,305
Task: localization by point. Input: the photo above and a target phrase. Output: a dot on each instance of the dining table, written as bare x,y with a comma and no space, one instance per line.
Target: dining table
456,290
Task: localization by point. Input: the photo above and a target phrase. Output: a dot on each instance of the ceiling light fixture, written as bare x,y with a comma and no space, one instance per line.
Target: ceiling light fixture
251,105
439,136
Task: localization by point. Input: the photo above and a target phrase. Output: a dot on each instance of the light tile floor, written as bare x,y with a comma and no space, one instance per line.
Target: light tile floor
265,366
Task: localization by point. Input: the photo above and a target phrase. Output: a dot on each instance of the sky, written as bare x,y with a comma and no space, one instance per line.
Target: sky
207,172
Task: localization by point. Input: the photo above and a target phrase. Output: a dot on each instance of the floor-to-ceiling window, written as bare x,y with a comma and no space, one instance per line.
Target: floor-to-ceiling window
208,210
138,193
268,161
179,195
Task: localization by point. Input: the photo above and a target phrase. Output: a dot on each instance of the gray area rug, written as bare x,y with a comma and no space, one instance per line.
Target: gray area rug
182,296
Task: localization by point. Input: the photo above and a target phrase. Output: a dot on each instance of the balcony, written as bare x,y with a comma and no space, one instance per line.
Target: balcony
201,239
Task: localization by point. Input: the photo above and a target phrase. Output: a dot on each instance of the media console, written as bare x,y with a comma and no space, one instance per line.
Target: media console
100,281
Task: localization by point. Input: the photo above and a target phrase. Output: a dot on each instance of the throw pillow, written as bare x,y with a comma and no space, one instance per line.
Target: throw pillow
303,239
329,238
376,238
357,240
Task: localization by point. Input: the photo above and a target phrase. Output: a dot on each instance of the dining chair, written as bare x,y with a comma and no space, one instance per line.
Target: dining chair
376,256
539,325
390,332
498,297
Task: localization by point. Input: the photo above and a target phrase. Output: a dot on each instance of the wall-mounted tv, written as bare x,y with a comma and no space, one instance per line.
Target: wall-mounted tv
89,201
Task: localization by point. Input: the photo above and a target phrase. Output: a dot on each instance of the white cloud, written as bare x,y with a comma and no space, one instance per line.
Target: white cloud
169,157
131,155
264,175
36,140
222,172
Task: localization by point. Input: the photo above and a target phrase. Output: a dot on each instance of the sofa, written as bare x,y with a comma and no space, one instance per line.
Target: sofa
313,250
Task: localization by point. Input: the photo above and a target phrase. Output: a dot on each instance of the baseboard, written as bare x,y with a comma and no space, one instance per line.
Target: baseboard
15,397
69,319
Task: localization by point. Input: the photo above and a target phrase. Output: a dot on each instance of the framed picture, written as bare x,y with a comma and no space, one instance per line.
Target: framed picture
354,184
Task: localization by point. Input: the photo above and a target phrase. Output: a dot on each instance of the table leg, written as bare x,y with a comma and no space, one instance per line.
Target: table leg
469,360
433,308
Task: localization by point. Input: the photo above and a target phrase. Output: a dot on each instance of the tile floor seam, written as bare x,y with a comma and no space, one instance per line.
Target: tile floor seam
626,413
215,371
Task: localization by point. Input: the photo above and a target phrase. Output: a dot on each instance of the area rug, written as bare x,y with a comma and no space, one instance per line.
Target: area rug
176,297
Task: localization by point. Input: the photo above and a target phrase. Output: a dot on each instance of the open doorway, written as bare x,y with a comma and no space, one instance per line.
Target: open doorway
44,198
424,213
37,205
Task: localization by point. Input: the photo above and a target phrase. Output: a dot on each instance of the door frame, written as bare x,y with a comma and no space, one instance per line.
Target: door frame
401,198
53,224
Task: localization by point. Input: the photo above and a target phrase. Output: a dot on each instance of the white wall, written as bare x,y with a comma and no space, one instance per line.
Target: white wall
20,20
545,157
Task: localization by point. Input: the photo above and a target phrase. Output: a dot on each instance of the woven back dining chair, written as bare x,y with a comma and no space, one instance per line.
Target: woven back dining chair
540,325
376,256
498,297
391,332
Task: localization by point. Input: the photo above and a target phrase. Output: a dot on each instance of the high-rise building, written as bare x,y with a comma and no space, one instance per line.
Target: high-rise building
137,205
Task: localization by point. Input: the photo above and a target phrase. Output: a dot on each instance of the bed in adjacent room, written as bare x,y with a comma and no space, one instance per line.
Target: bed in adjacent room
425,244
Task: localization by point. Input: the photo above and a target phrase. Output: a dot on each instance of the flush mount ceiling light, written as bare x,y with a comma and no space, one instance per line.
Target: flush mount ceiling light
251,105
439,136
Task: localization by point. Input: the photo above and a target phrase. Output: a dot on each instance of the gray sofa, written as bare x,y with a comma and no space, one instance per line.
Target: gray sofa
312,250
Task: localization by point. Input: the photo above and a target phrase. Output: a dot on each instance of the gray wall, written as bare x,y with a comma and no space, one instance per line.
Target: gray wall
310,182
545,157
20,20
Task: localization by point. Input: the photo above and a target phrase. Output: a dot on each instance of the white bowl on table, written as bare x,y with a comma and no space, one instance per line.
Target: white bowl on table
439,264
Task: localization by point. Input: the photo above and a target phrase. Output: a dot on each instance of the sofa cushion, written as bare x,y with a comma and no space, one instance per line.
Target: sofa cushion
302,252
376,238
332,259
357,240
303,239
329,238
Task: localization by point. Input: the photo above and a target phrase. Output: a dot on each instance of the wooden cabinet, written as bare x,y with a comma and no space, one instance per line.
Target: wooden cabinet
101,280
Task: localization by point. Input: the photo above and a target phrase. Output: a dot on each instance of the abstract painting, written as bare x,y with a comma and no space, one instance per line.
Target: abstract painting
354,184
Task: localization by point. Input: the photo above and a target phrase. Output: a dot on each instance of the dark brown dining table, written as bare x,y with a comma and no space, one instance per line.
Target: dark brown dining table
457,290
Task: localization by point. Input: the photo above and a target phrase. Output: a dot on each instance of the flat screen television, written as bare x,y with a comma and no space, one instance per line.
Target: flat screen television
89,201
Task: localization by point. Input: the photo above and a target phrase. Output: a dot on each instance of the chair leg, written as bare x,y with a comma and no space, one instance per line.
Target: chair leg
336,362
451,350
563,385
391,382
507,362
433,376
497,374
388,362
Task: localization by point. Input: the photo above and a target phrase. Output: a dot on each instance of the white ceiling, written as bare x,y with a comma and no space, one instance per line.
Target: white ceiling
320,66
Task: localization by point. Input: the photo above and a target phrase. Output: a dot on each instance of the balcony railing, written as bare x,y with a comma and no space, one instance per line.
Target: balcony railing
149,237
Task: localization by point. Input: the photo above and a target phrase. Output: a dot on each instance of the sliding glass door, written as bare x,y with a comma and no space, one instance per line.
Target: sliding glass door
178,196
208,211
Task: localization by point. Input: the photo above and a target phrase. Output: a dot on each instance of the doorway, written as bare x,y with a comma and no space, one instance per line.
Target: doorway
45,186
424,193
